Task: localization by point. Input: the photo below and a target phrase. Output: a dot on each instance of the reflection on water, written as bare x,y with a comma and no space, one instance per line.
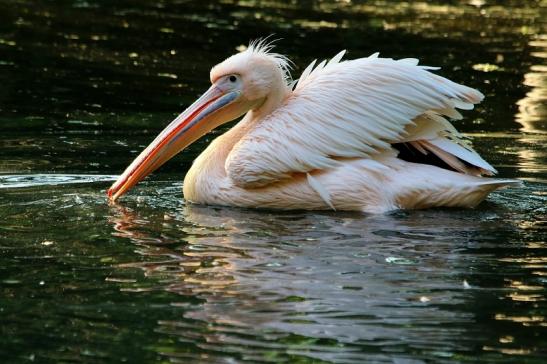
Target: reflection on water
533,108
87,84
532,159
328,286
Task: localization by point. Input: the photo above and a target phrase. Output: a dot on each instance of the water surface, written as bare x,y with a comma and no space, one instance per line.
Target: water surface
87,84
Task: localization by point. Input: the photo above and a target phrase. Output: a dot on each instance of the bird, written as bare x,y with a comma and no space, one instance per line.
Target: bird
370,134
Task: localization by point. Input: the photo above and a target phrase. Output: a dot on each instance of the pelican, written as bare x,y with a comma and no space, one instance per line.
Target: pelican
368,134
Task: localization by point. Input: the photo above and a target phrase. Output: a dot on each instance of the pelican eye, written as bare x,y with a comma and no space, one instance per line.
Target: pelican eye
233,78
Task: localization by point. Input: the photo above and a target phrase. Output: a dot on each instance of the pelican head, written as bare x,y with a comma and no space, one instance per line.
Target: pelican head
248,81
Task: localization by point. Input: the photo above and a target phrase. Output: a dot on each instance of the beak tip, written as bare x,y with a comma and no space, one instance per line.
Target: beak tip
111,195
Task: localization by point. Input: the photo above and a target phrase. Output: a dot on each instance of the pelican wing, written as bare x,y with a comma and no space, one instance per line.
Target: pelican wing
355,109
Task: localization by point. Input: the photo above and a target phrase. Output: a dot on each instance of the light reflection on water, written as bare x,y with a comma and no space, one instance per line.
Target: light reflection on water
533,108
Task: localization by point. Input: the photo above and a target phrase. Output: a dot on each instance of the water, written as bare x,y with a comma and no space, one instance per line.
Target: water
87,84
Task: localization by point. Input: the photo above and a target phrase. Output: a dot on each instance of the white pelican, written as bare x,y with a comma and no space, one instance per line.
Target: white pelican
368,134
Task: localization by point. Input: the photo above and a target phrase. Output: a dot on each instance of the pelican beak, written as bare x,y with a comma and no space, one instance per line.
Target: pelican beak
209,111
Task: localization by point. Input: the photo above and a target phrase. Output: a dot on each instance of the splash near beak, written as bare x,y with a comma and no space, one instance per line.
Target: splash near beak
201,117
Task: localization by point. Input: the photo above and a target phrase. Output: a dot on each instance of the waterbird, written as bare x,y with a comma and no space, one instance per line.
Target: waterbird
370,134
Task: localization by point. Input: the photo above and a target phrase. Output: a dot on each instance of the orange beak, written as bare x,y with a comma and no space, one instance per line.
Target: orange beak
208,112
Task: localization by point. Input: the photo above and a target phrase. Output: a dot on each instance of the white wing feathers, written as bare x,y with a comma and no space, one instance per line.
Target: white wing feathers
355,109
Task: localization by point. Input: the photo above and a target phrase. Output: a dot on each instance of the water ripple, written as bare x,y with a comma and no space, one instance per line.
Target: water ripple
35,180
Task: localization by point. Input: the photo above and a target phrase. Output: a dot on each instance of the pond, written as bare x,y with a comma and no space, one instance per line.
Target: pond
85,85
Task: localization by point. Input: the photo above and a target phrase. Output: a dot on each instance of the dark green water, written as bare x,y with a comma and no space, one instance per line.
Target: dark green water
85,85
